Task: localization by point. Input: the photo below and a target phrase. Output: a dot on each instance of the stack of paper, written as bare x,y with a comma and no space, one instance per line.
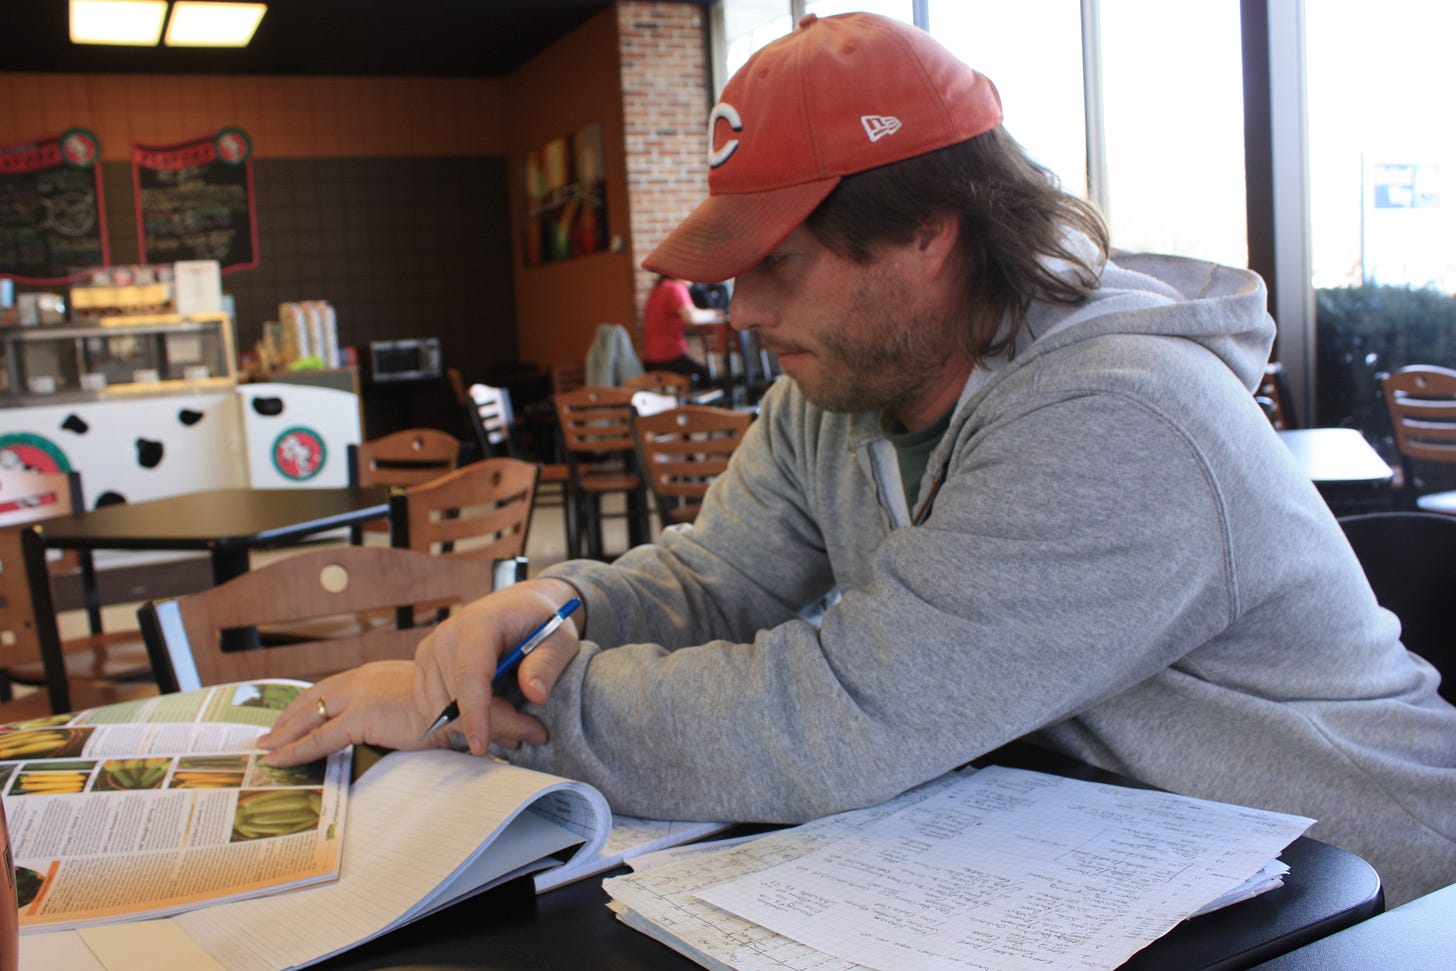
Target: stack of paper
1001,868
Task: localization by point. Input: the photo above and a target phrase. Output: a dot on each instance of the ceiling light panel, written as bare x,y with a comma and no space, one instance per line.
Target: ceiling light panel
197,24
135,23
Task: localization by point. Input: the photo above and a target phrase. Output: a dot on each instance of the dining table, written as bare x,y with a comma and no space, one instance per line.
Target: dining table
1337,457
228,524
1346,469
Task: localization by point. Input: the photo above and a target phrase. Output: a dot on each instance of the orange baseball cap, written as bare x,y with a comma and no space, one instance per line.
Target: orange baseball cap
839,95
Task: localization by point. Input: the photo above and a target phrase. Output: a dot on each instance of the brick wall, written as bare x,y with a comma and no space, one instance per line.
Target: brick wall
665,101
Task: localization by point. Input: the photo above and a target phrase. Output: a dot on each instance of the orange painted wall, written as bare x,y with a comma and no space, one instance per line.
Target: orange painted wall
286,117
573,83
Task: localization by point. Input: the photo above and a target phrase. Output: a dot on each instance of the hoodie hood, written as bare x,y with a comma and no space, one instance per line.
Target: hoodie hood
1222,308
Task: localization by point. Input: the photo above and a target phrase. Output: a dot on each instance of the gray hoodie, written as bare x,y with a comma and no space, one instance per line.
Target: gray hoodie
1116,554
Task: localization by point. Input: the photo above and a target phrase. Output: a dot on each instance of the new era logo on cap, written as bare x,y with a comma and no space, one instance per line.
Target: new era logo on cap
878,126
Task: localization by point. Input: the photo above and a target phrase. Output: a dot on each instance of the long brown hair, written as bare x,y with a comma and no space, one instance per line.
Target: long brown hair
1014,216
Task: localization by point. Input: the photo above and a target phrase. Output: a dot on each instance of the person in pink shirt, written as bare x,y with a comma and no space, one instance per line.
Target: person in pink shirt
664,344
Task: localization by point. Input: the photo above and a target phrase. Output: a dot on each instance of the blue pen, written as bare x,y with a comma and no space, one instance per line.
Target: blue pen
509,662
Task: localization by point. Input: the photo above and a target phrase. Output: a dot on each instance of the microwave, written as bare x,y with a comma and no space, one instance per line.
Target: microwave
417,359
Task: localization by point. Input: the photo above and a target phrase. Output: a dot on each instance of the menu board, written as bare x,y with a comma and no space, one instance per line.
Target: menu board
194,200
52,221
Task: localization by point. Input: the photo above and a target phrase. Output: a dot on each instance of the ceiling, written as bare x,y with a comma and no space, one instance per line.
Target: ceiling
424,38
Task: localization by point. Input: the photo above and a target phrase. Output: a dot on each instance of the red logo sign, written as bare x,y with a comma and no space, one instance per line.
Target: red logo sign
299,454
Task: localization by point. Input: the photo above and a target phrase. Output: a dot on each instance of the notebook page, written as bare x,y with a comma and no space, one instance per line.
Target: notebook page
663,902
630,836
416,819
1013,870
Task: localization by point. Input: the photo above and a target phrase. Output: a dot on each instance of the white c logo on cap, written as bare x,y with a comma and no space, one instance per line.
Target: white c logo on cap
722,111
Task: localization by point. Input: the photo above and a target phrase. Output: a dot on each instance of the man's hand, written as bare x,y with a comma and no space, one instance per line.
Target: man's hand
373,704
391,703
457,662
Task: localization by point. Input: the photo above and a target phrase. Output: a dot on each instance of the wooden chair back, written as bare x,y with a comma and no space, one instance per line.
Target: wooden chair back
28,497
568,377
595,424
28,630
493,420
595,421
682,450
185,634
481,511
457,385
671,383
1421,402
403,458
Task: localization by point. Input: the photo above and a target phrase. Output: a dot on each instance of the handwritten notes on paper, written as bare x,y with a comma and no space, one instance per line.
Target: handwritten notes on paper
1001,868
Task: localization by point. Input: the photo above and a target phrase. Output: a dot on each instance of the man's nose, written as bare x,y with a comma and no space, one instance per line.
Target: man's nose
745,310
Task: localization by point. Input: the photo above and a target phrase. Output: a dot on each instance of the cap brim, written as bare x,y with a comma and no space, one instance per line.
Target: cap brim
727,234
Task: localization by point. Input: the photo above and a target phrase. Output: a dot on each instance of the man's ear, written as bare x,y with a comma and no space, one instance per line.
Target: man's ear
936,239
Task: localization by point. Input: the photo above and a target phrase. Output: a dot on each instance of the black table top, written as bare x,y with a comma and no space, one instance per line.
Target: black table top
511,927
1416,935
216,518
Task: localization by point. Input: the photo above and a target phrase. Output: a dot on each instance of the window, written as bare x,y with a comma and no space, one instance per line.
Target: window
1172,110
1171,104
1382,220
1032,50
747,26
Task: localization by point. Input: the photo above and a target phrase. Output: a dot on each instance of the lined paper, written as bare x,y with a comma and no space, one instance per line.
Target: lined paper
1000,868
1015,870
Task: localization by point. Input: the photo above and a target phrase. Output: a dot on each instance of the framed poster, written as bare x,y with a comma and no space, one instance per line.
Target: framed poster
194,200
52,220
566,198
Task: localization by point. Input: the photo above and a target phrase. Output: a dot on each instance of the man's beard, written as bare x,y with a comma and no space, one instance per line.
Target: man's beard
881,363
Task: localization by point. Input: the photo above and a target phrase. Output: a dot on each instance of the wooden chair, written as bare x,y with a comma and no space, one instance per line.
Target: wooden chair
402,458
481,511
568,376
1410,560
682,450
671,383
184,634
1421,400
493,420
29,635
596,434
28,497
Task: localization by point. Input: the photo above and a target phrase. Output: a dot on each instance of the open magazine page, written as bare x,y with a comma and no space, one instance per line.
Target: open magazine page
161,805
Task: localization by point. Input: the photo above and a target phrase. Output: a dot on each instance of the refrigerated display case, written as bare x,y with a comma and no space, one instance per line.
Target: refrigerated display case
118,356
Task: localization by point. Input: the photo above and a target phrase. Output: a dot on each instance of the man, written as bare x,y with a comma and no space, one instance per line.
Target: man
1037,479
